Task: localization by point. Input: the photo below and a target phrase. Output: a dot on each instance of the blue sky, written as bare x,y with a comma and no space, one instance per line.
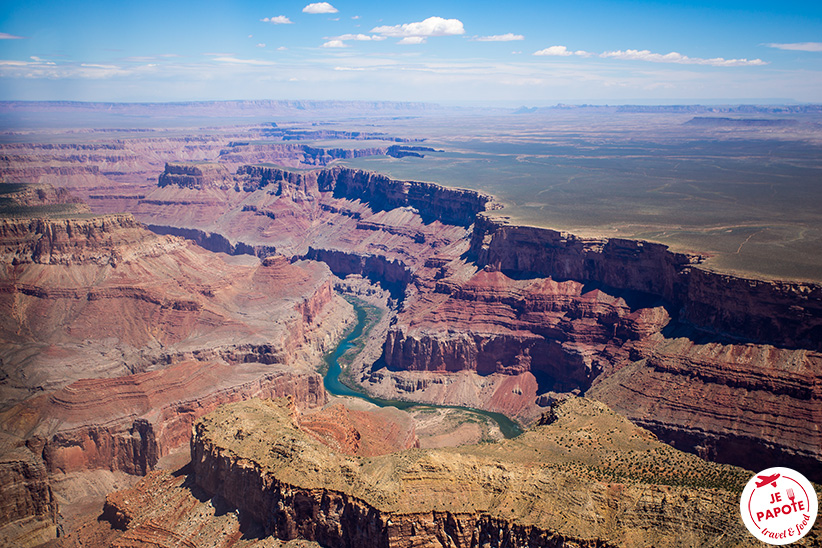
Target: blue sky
540,52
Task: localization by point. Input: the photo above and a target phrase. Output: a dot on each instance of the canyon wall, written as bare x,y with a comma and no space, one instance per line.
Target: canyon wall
772,312
432,201
28,510
129,423
213,241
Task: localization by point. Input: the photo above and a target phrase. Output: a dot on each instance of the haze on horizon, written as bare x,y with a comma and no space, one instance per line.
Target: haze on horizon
528,52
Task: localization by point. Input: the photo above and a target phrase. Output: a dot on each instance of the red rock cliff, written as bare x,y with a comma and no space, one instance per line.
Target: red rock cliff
780,313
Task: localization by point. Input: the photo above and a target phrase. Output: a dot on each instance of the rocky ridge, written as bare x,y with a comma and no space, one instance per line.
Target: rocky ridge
525,491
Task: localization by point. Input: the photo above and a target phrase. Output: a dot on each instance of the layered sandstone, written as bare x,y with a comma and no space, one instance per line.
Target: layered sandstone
508,344
360,222
28,511
195,176
128,423
565,484
163,299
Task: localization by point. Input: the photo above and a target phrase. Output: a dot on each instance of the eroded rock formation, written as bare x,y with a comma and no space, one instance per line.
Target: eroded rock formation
519,492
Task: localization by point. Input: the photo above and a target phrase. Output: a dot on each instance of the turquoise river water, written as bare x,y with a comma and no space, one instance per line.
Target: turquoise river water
509,428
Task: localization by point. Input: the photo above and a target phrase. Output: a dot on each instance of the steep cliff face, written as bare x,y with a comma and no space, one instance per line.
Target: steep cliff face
162,510
360,222
751,405
625,264
432,201
213,241
28,511
162,299
495,324
129,423
499,494
160,331
101,241
195,176
780,313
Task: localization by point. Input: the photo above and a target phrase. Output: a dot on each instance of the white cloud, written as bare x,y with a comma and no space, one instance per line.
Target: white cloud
261,45
334,44
412,40
7,36
554,50
433,26
279,20
358,37
234,61
509,37
560,51
282,48
798,46
320,7
674,57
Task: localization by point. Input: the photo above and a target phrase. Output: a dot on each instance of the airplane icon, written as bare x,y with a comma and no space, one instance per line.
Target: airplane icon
765,480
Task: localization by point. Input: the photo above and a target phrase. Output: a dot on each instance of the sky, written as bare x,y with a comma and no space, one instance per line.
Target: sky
445,51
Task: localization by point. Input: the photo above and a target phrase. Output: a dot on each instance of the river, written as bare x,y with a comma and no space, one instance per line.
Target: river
508,427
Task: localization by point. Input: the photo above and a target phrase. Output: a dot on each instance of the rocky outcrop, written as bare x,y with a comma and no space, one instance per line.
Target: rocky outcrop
103,240
28,511
362,432
163,300
749,404
432,201
23,196
163,510
393,275
503,494
195,176
496,324
213,241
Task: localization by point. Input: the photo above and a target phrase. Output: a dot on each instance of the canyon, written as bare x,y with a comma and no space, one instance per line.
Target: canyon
120,335
116,339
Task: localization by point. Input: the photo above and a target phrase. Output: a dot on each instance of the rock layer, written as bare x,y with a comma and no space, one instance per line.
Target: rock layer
159,330
772,312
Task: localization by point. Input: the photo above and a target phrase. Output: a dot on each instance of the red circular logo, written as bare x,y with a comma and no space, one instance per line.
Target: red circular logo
778,506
